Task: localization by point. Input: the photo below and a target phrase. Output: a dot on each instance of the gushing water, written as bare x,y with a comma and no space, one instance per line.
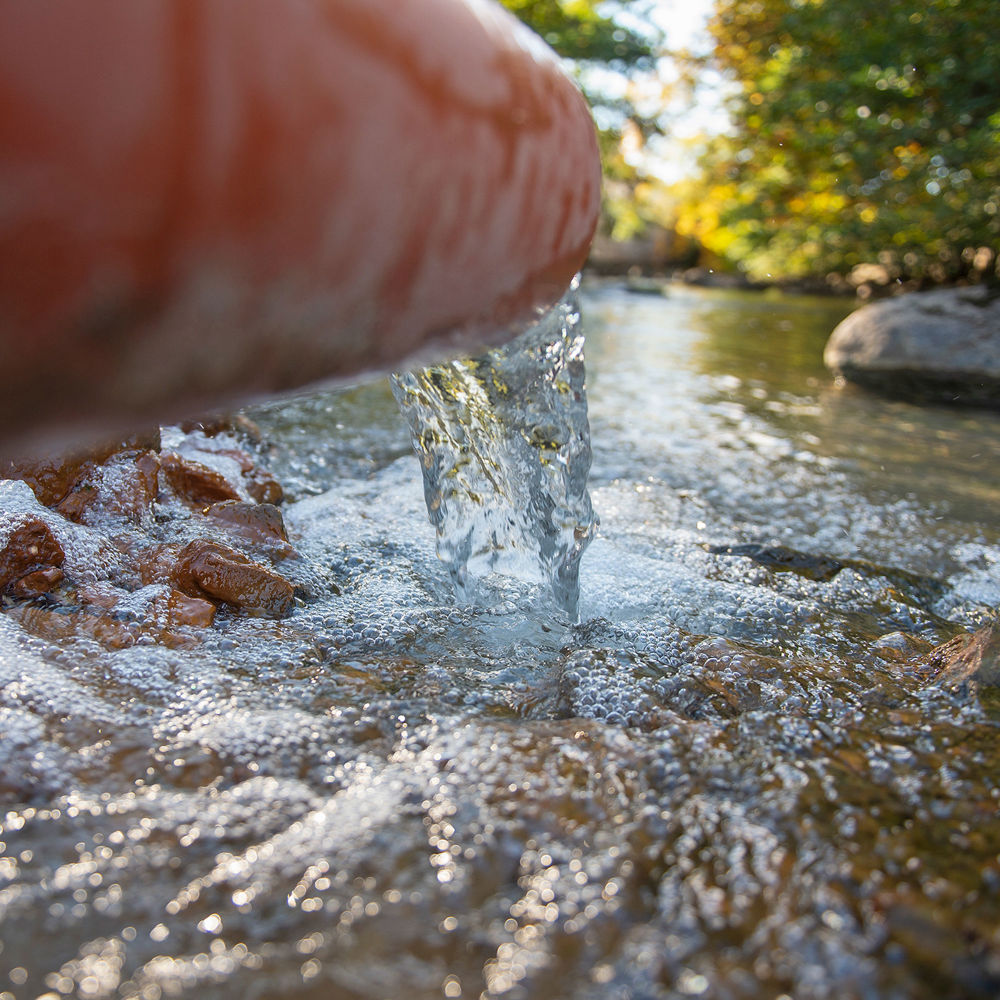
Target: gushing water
504,444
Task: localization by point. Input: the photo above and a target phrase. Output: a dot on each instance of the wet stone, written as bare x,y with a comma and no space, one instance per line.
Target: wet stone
125,486
260,524
169,607
28,546
118,619
195,482
40,581
52,477
968,657
165,614
185,610
75,503
263,487
210,569
116,581
204,468
65,623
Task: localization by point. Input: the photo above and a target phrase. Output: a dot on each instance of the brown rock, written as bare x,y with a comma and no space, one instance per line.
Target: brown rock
103,595
30,546
260,523
196,482
183,609
260,484
157,611
125,486
208,569
45,622
40,581
52,477
969,657
107,631
61,624
155,563
80,497
162,614
263,487
147,466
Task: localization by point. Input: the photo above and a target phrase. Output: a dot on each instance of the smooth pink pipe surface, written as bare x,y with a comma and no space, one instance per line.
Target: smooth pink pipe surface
205,201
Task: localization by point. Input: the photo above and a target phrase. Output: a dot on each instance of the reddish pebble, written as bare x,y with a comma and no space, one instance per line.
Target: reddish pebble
195,482
29,547
209,569
183,609
41,581
259,523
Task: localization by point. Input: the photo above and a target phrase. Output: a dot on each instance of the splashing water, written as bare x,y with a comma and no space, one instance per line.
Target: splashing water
504,443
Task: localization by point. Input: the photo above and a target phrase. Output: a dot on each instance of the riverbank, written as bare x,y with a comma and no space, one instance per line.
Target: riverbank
646,264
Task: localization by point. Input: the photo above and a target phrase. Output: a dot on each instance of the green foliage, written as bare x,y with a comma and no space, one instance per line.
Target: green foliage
578,31
863,131
591,34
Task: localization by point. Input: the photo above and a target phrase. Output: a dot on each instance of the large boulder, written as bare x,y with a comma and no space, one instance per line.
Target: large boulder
940,346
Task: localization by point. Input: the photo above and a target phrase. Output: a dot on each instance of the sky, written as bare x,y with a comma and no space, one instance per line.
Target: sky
682,20
683,23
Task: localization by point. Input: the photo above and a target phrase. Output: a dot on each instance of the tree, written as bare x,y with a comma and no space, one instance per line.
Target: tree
577,30
599,38
862,132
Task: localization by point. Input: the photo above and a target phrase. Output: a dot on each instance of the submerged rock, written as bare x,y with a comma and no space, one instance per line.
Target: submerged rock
969,657
941,346
153,614
210,569
30,555
783,559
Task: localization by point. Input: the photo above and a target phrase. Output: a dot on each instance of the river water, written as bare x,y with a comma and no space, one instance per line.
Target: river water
727,779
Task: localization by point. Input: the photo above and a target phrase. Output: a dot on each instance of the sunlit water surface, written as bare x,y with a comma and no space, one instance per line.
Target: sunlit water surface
726,780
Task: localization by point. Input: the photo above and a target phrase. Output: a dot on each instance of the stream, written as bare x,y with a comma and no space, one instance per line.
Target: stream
719,773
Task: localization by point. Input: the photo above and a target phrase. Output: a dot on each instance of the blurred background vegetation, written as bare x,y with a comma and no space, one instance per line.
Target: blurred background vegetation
855,144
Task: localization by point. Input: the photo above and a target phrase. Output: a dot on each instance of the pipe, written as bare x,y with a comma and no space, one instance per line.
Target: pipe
204,202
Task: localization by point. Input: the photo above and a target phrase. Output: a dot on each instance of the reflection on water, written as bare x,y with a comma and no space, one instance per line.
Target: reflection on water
807,462
728,780
937,455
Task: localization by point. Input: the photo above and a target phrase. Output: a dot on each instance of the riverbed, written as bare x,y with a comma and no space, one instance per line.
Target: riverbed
730,778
